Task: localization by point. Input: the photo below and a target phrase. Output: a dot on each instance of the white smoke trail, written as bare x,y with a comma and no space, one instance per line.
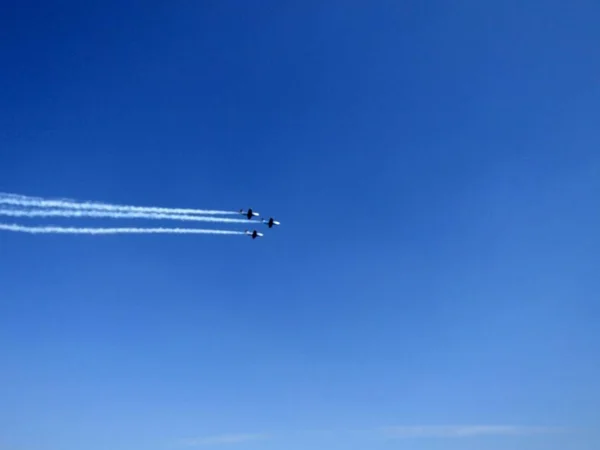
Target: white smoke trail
112,215
25,201
96,231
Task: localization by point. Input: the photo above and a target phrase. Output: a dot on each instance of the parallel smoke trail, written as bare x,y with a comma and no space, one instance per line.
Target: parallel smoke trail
20,200
96,231
113,215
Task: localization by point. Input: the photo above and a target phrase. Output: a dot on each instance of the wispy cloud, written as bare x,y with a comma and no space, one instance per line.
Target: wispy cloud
390,432
463,431
224,439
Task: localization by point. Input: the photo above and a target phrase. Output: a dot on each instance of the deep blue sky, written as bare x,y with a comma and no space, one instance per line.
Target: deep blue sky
436,167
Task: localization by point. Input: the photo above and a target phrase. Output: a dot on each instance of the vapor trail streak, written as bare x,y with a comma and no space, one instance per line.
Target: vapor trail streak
24,201
97,231
113,215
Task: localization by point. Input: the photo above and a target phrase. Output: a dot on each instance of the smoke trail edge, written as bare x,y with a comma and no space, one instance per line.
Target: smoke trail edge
51,229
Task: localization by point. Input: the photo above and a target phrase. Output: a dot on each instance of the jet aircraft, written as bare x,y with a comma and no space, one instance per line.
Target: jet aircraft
254,234
249,214
271,222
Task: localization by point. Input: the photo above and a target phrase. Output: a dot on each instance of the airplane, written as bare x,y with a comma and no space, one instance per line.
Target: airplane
271,222
254,234
249,214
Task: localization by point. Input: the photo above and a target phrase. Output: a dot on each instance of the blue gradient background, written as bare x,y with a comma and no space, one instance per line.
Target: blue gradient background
436,169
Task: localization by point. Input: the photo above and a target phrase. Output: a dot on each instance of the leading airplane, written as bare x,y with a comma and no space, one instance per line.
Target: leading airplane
271,222
249,214
254,234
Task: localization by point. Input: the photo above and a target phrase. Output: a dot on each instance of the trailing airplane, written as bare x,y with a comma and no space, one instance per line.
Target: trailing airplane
249,214
254,234
271,222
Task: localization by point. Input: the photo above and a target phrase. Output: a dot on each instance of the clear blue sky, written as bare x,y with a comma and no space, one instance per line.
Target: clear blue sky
436,168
